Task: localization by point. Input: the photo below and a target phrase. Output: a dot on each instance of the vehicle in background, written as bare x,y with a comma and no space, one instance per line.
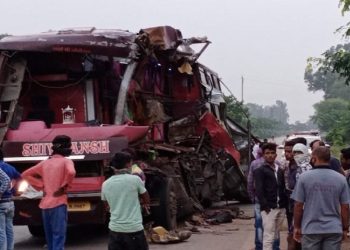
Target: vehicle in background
310,136
114,90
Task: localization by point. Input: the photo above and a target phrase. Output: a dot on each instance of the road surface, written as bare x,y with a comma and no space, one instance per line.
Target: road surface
236,235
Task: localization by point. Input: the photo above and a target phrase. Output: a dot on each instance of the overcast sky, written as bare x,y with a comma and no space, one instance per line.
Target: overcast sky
266,42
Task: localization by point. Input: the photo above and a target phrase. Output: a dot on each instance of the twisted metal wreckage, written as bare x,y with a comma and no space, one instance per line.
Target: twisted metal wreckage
112,90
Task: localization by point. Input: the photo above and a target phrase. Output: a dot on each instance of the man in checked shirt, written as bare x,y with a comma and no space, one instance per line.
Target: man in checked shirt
5,185
4,182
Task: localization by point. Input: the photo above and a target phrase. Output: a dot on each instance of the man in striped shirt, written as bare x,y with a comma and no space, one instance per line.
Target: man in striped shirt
4,187
4,182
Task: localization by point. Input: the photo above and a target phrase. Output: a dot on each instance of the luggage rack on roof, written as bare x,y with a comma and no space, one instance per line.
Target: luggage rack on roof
311,132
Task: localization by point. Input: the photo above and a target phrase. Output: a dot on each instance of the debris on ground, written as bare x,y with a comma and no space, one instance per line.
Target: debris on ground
160,235
201,223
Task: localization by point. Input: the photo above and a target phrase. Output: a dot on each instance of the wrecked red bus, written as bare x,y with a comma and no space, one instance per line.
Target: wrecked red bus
113,90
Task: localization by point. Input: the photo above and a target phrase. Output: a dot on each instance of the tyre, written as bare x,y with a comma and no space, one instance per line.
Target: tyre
235,186
36,231
166,213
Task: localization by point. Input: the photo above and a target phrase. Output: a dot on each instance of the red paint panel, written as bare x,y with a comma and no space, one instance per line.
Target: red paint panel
185,89
86,184
36,131
58,99
220,137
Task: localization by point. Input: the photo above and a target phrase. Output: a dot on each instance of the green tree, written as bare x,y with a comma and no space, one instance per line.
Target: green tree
266,121
266,128
277,112
280,112
345,5
319,78
236,110
338,59
329,73
303,126
333,116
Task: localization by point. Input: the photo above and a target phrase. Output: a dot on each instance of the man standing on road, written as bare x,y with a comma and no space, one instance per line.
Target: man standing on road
4,182
321,210
302,159
53,176
334,162
345,162
270,191
251,191
121,194
7,207
290,180
4,186
257,212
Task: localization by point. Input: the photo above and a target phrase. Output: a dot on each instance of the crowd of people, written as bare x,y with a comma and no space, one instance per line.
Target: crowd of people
310,190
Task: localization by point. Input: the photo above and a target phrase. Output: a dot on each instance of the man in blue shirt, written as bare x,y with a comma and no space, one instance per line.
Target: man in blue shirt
4,182
334,163
321,211
7,208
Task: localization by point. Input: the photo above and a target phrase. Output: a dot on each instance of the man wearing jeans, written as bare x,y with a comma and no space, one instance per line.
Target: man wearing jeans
270,191
257,212
7,207
53,176
321,210
4,186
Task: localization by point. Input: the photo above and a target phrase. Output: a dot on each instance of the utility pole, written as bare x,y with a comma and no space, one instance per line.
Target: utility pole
248,128
242,88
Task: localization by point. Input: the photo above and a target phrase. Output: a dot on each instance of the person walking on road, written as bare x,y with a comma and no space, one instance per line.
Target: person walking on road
53,176
120,194
321,210
270,191
7,207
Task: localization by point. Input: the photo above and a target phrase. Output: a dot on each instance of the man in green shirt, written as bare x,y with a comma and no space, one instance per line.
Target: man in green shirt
121,194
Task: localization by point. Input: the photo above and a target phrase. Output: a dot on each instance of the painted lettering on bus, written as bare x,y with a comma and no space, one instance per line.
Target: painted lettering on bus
78,148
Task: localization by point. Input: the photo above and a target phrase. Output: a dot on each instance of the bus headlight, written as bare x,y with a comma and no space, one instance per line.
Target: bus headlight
22,186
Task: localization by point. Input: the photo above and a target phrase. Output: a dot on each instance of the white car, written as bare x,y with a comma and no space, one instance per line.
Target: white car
310,136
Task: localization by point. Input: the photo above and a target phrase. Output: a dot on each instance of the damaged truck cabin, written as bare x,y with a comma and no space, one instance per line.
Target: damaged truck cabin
113,90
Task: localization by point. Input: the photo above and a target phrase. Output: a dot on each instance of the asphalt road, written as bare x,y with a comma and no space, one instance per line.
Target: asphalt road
78,238
236,235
